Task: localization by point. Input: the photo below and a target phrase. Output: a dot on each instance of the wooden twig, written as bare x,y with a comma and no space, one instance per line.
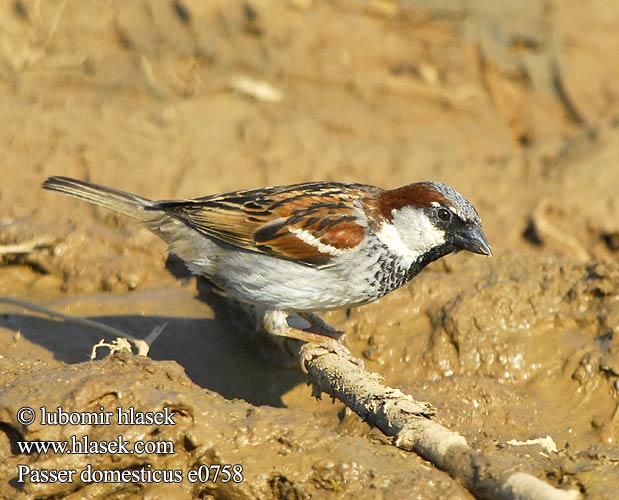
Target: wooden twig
256,89
399,416
25,247
143,346
119,344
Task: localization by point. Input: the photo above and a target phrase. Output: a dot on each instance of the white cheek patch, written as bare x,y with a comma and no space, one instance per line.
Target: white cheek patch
389,235
410,235
306,237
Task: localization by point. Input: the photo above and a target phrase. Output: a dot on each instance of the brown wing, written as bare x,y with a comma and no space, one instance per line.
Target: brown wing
311,223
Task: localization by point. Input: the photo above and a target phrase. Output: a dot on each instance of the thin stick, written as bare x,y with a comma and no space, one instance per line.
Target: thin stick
143,346
24,247
400,416
117,345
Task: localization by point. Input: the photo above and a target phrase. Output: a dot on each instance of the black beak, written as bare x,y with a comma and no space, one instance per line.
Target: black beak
473,239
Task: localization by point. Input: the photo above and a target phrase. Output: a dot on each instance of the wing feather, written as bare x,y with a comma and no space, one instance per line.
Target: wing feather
311,223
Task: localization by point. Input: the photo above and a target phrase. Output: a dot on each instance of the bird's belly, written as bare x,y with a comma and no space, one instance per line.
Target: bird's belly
291,286
251,277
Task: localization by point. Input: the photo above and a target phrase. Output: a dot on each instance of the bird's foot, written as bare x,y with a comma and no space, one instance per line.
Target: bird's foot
278,323
311,322
311,350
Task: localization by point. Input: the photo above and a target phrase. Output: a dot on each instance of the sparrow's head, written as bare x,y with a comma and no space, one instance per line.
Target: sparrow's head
429,215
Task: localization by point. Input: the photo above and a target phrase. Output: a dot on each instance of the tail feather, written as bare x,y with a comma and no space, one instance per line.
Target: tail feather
127,204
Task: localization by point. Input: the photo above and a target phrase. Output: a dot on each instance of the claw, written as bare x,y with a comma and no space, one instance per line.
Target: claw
310,351
281,324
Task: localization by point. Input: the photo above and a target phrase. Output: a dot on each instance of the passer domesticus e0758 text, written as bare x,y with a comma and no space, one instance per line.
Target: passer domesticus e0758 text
304,247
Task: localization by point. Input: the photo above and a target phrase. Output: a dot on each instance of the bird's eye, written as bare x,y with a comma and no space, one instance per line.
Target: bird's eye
444,214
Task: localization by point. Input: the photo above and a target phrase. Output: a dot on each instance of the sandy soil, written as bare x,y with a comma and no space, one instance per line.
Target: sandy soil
516,108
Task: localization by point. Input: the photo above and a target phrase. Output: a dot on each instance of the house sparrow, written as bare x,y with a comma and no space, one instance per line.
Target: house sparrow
304,247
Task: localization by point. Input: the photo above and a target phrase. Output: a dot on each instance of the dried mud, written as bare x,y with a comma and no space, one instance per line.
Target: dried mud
517,108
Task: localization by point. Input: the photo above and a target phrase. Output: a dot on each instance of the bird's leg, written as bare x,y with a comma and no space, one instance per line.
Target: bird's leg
318,325
275,322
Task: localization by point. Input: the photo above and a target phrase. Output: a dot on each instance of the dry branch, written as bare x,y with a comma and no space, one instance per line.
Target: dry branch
142,345
399,416
25,247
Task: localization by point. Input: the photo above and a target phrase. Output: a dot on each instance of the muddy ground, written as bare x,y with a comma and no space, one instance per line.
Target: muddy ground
517,107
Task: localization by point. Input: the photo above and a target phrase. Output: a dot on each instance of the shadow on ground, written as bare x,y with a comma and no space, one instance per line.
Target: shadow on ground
215,354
